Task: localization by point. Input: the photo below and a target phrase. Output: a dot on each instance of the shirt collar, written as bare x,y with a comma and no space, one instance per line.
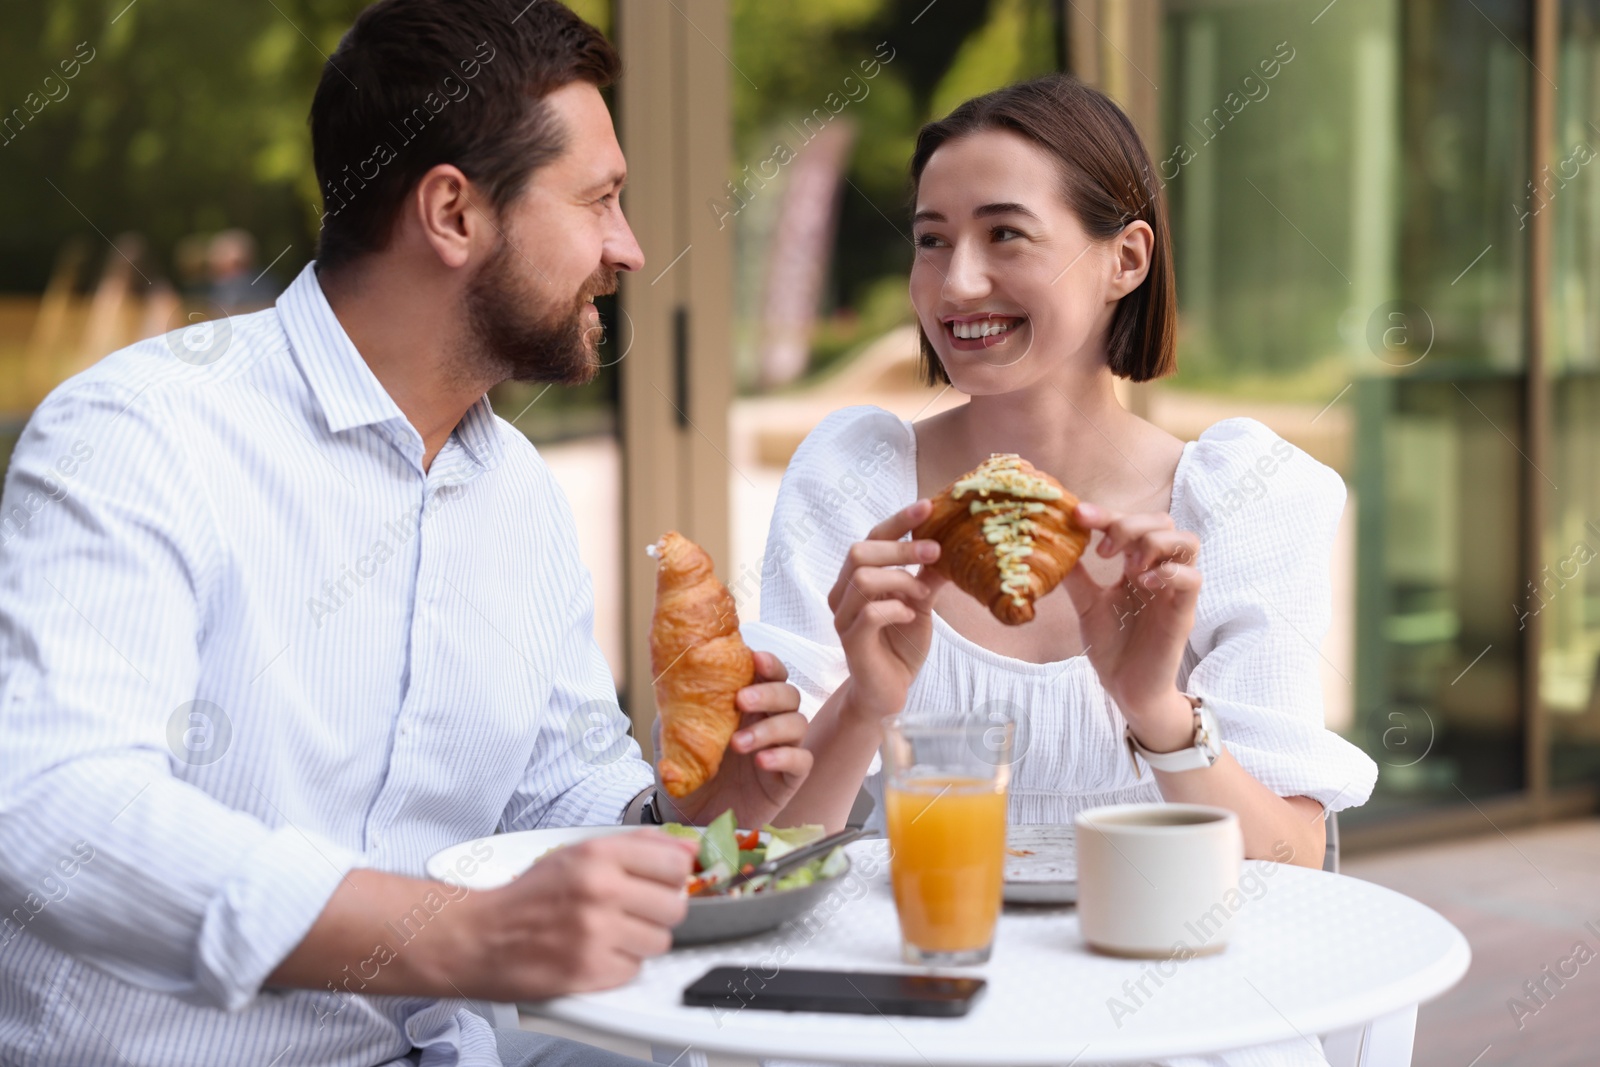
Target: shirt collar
347,391
479,434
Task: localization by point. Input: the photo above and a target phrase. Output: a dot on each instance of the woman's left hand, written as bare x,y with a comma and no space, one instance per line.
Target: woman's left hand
1135,630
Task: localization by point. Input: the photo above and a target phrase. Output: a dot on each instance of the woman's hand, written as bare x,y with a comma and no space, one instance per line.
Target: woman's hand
1135,630
884,615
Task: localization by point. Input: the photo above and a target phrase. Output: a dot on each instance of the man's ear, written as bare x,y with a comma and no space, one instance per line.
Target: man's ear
450,215
1130,258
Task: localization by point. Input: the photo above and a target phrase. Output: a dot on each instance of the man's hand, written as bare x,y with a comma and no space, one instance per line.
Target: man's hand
582,918
764,764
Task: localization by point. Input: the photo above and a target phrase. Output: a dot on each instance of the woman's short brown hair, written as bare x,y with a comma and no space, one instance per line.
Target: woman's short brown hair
1107,181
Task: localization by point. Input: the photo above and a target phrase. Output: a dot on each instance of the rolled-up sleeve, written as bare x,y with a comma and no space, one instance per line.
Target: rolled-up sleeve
108,559
1267,514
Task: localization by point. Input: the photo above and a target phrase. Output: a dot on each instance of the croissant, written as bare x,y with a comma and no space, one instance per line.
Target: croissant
1007,535
699,662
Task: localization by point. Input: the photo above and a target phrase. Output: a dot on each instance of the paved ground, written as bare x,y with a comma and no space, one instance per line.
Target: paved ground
1523,900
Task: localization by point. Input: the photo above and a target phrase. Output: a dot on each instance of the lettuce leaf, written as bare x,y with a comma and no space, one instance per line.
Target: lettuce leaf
720,856
719,844
795,879
782,842
833,864
830,866
715,875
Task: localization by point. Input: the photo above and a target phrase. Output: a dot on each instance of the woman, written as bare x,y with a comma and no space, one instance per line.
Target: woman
1043,271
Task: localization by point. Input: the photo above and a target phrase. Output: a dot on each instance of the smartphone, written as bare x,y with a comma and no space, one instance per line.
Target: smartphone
855,992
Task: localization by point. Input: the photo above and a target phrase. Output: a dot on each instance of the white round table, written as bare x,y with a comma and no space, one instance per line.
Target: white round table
1311,953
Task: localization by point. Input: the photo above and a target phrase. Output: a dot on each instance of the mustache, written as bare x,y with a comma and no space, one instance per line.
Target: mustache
603,282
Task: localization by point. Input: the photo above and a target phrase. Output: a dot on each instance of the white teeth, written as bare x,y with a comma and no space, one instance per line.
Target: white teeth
982,328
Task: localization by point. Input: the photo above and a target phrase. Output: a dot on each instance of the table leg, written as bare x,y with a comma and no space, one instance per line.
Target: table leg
1383,1042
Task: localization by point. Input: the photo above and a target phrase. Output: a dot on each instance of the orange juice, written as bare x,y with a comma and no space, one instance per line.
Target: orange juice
948,837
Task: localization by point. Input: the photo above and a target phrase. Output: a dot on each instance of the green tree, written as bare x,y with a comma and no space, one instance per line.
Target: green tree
188,116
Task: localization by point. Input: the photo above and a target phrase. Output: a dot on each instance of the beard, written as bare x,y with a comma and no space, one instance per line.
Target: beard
515,334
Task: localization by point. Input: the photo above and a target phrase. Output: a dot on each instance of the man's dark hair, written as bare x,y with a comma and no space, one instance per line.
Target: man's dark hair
1106,180
417,83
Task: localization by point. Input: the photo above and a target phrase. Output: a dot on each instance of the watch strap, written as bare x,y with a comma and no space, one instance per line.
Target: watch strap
1201,754
641,810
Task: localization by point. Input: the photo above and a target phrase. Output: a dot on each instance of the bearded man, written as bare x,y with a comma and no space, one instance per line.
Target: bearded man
286,609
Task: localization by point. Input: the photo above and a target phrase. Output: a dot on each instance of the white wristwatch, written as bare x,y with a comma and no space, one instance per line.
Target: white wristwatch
1203,753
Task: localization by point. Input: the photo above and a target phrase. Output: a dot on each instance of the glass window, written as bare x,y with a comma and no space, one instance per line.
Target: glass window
1351,266
1566,593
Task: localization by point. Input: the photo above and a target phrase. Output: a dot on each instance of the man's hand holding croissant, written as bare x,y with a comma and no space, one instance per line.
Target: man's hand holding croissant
764,764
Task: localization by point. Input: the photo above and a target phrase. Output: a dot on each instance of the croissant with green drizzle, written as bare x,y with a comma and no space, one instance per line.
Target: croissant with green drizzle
1007,535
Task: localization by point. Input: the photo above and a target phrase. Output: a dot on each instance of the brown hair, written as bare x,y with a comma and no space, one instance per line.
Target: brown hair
376,121
1106,179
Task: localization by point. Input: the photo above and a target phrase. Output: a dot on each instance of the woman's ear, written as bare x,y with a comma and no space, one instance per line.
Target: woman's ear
1131,251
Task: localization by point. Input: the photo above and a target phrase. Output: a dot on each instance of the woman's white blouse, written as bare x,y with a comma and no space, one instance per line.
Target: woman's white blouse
1265,513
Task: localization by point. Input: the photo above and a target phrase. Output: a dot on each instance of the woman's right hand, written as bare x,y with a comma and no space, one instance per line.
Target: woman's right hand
883,614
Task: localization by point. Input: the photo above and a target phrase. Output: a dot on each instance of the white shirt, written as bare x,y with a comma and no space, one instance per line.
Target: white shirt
247,644
1265,513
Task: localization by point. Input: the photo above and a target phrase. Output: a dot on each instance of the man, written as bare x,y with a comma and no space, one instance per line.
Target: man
285,609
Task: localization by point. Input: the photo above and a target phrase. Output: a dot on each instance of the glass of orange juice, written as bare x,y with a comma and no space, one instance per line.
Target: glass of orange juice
945,805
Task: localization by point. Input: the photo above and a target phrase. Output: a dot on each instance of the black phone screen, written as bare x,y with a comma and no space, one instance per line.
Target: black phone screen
863,993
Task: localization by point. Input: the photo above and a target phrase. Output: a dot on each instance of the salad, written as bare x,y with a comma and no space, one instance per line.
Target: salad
725,850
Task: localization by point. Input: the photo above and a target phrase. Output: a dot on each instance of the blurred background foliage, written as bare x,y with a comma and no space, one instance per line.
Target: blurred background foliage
794,55
190,117
1385,165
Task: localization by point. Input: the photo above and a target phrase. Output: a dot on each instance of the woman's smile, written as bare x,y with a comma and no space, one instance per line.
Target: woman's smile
972,333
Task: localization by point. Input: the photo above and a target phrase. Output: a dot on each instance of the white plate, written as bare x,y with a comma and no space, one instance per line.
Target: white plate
491,862
1048,874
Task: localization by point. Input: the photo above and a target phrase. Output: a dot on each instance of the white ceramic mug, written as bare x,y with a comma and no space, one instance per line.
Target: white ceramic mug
1158,881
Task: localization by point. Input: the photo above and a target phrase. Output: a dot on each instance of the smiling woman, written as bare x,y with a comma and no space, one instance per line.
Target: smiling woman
1053,133
1044,273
